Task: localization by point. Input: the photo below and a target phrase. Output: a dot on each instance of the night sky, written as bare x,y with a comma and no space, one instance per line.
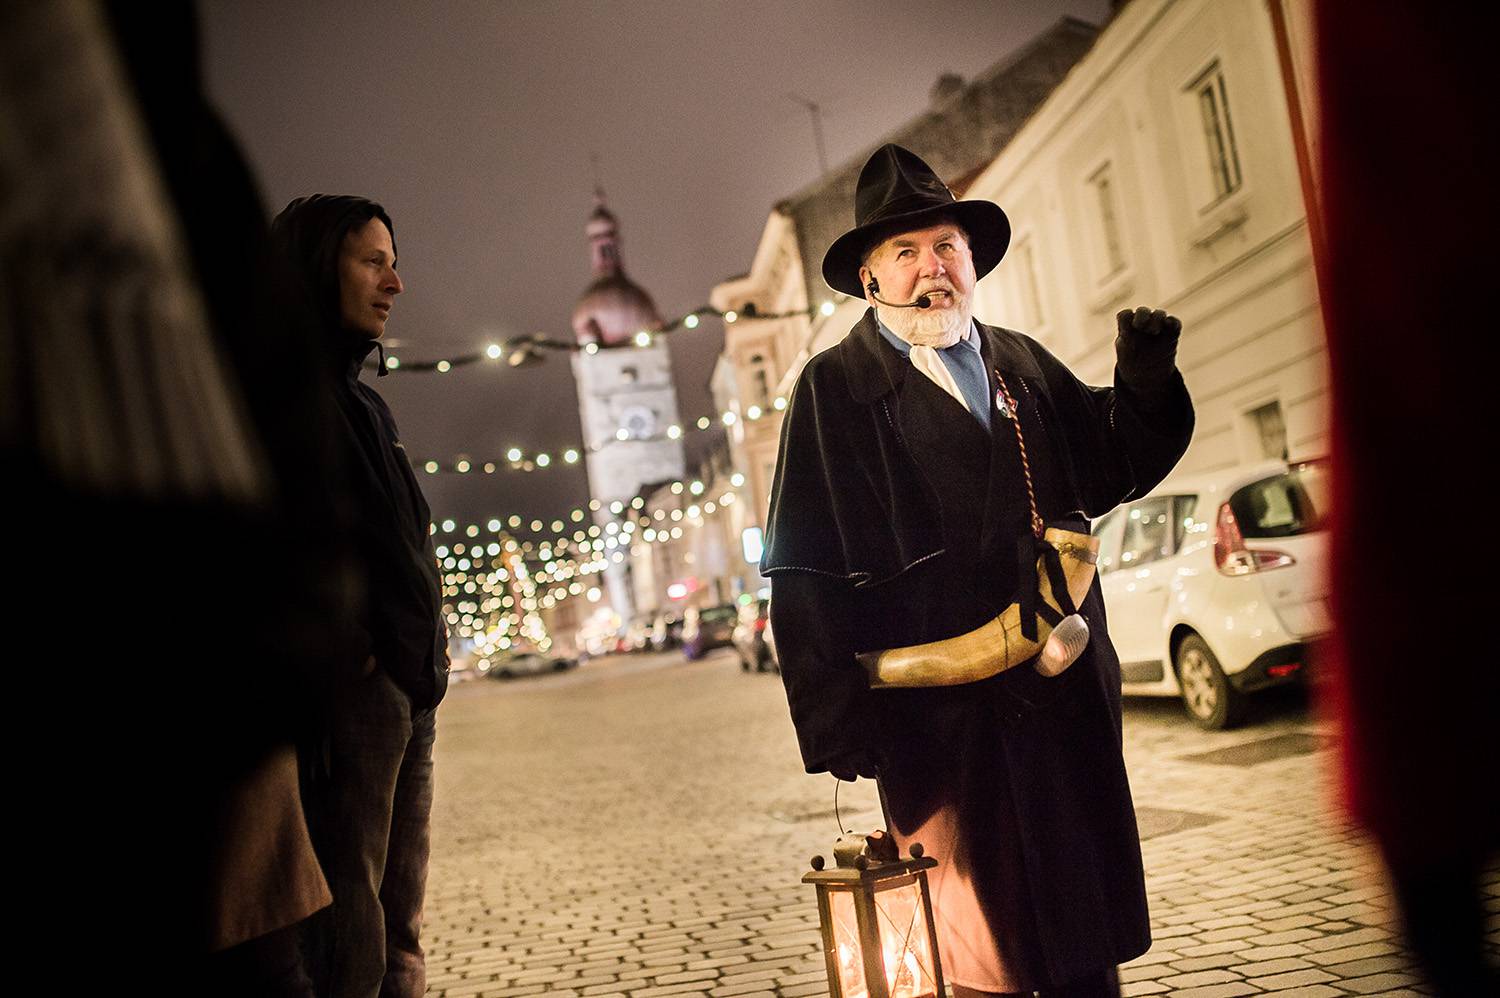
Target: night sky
475,123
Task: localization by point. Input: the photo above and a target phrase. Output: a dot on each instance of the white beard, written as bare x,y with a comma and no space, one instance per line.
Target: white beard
927,327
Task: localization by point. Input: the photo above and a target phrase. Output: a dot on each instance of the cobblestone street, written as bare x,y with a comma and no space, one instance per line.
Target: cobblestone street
641,825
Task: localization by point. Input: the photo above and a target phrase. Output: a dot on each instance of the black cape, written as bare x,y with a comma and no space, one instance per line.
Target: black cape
894,520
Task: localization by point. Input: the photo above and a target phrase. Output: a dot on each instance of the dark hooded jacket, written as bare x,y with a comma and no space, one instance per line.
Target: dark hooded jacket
402,617
895,520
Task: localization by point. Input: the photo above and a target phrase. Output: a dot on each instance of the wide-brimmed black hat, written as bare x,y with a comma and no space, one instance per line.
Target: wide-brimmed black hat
897,192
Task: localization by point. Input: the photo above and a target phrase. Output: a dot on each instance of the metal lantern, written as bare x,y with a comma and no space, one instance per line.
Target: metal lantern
879,938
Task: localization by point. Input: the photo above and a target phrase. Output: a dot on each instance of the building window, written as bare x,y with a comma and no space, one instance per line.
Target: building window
1030,290
1111,252
1270,430
1218,131
760,382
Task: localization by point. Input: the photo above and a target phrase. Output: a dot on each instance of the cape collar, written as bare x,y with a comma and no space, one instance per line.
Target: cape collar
875,368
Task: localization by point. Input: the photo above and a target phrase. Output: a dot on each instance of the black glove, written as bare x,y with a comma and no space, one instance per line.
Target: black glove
852,765
1146,348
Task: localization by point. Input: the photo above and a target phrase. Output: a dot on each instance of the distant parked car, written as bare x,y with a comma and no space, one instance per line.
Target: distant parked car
707,628
666,631
509,665
752,637
1215,585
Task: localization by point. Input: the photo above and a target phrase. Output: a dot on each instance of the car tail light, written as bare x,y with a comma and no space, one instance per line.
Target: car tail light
760,624
1232,556
1277,671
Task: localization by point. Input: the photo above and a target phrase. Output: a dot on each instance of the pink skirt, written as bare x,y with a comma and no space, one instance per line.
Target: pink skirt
966,942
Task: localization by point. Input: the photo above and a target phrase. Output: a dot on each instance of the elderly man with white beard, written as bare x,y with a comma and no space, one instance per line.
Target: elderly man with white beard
928,464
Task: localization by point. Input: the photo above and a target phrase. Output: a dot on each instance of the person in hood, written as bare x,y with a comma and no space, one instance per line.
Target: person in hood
370,788
920,458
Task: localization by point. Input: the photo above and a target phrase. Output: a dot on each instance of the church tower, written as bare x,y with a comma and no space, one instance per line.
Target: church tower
626,397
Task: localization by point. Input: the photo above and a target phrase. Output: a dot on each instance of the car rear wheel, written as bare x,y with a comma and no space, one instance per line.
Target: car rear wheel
1210,700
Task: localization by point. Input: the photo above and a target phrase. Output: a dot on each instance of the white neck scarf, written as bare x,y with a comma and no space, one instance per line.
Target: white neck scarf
914,329
926,360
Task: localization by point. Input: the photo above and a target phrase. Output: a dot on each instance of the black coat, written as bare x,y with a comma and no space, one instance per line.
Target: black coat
401,614
895,520
403,621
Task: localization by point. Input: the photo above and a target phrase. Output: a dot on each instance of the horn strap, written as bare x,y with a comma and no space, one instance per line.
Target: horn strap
1040,556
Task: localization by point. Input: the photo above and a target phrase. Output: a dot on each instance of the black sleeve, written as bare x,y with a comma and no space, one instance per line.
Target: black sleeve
1121,443
826,689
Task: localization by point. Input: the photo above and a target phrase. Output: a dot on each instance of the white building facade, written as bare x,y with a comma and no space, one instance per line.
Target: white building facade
1160,168
1163,172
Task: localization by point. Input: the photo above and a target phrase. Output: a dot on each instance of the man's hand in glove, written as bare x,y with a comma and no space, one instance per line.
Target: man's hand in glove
1146,348
852,765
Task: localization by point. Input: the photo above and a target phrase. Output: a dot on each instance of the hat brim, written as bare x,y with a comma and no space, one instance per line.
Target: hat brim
986,223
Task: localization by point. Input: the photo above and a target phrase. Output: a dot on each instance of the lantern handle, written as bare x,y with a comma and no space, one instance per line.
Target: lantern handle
885,805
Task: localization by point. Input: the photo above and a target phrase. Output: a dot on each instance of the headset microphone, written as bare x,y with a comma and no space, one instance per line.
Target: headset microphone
923,301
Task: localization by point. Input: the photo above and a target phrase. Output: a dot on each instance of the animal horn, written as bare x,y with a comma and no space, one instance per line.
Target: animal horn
999,645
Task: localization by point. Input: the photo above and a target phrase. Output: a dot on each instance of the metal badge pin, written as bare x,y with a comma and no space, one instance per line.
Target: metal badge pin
1002,405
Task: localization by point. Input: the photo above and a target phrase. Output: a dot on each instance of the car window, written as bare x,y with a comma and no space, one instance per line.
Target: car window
1183,508
719,613
1284,505
1148,534
1108,530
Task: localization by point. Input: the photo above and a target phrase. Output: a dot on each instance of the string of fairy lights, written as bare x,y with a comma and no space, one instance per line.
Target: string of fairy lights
520,351
521,459
496,586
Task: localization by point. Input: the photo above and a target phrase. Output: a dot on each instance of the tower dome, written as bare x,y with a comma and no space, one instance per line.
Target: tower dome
613,308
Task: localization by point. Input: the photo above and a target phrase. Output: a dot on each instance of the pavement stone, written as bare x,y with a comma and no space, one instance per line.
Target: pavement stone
640,827
1265,967
1377,983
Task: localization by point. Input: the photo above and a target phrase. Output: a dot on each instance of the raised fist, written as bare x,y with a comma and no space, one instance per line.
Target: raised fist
1146,347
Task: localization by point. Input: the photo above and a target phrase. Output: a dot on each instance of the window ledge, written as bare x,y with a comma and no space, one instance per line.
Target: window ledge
1114,289
1219,221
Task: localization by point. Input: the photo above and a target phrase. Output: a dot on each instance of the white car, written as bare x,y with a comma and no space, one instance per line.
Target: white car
509,664
1215,585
